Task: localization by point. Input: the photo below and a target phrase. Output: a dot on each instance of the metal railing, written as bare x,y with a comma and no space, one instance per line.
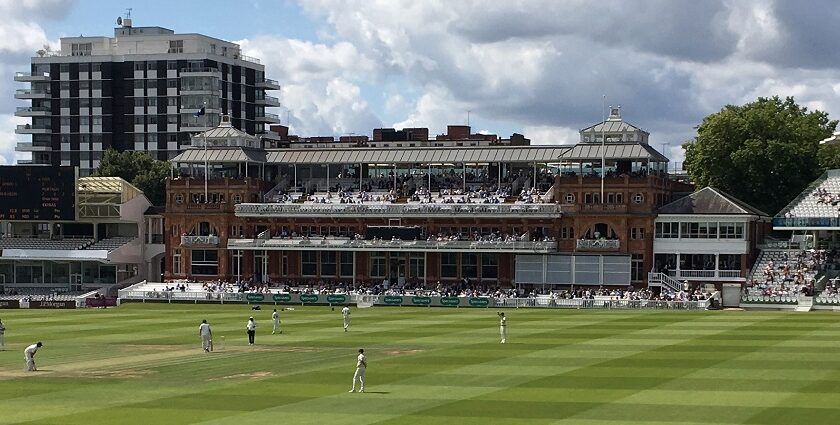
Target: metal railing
681,274
199,240
598,244
364,210
393,245
200,69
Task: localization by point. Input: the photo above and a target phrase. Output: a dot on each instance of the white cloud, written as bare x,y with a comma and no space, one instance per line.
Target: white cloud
21,34
549,135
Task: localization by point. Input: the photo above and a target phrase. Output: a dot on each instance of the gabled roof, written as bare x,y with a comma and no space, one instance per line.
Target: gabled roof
612,126
585,151
224,132
710,201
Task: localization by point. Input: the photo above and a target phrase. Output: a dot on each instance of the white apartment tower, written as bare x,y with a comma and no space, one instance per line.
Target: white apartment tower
138,90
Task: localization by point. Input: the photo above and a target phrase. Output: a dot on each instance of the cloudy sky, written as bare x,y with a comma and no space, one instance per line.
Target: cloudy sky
529,66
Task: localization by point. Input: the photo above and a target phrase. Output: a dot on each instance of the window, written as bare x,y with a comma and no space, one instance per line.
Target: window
637,233
205,262
469,265
698,230
138,84
377,265
567,232
64,67
151,66
139,66
489,266
176,46
729,230
346,267
729,262
416,266
235,262
176,262
84,67
151,101
448,265
570,198
308,263
328,263
667,230
171,101
637,267
172,65
96,67
638,198
172,83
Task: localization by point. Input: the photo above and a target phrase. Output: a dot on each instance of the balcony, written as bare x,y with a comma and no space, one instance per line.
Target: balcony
193,128
30,77
269,118
200,241
200,72
347,244
29,129
30,147
269,84
269,101
399,210
598,244
28,111
706,275
32,94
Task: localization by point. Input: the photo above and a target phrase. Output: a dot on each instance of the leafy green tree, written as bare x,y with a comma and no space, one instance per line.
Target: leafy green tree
764,152
829,156
139,169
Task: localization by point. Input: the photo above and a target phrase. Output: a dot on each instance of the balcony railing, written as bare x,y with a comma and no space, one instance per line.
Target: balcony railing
200,69
400,210
705,274
200,240
32,76
598,244
346,244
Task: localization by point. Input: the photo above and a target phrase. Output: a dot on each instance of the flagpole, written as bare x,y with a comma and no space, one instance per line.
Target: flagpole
206,161
603,145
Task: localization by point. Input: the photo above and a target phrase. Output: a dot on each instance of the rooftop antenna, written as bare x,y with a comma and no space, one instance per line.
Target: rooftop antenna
128,13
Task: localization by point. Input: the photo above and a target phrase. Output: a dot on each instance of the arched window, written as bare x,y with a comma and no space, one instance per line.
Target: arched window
600,231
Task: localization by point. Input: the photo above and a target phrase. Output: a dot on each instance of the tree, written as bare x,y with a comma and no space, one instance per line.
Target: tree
764,152
139,169
829,156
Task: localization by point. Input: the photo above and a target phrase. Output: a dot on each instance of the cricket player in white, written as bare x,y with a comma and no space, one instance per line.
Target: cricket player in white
346,313
29,356
206,336
503,327
361,365
275,317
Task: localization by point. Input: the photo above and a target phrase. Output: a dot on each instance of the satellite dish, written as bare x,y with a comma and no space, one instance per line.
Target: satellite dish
119,20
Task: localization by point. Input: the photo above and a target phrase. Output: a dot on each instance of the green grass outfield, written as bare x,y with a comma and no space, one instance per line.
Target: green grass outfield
142,364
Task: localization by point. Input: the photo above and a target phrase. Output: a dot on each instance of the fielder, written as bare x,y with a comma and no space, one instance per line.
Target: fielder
206,336
346,313
275,317
503,326
29,356
2,336
361,365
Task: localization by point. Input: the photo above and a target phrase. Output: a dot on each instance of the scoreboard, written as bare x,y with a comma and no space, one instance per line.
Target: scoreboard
38,193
